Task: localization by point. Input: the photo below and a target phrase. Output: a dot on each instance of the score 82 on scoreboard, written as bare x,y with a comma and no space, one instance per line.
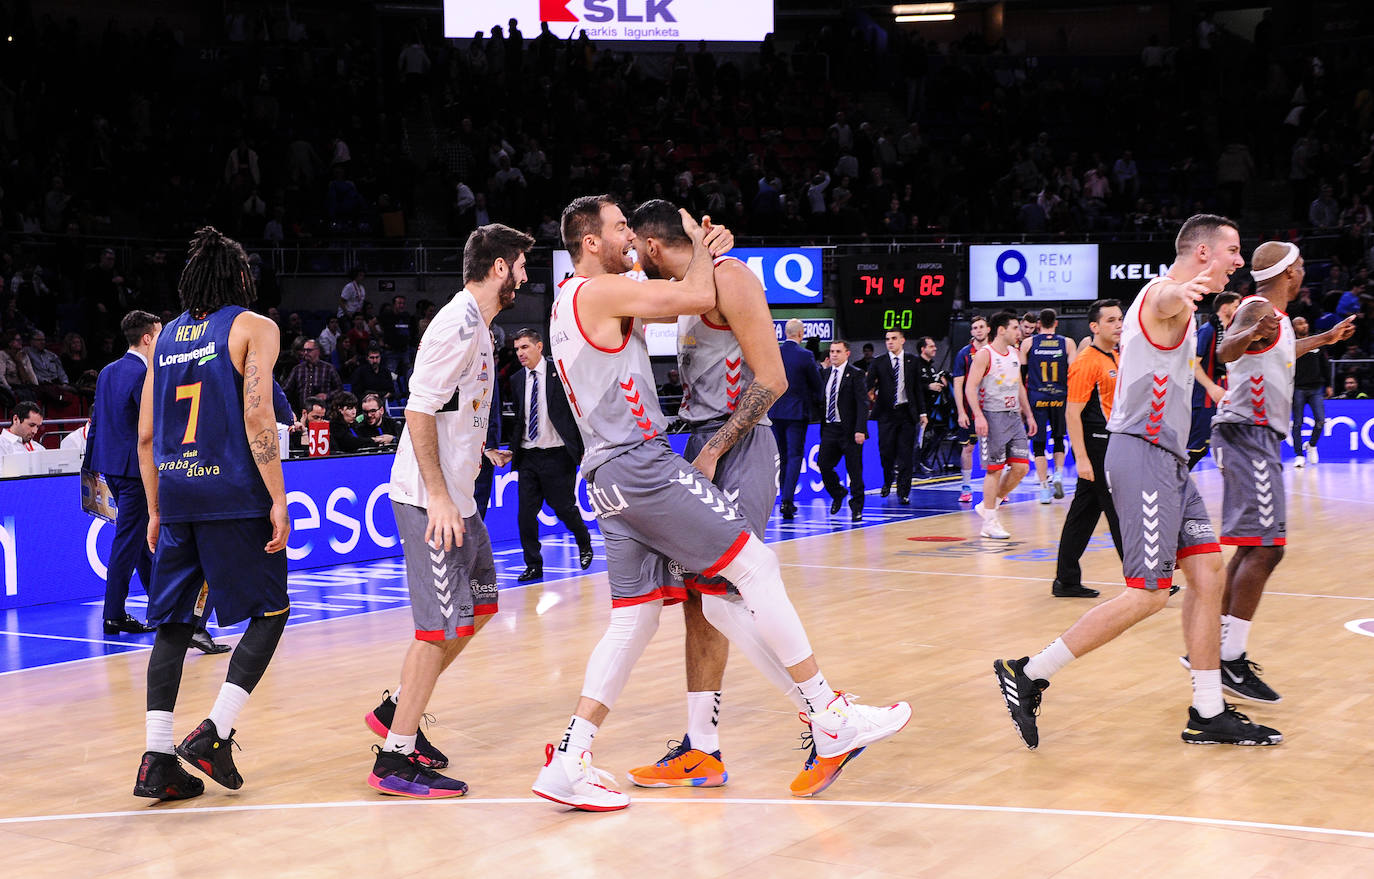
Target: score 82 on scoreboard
913,293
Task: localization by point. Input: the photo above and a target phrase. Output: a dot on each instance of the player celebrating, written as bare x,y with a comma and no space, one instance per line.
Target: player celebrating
449,566
653,505
731,373
1163,519
208,455
1047,356
1002,418
1260,350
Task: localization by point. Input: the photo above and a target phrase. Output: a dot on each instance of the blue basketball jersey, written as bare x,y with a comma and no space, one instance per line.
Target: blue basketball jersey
1047,367
205,468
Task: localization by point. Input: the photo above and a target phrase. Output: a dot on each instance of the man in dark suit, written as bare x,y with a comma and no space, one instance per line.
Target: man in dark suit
112,449
792,411
492,456
545,450
899,404
844,427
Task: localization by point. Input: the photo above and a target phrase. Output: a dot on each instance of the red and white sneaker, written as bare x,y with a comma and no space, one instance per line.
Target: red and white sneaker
845,725
574,781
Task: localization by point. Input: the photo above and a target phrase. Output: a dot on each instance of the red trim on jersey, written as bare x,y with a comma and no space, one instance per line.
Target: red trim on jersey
1277,337
729,555
578,320
707,321
656,595
1140,315
1200,549
673,595
1253,541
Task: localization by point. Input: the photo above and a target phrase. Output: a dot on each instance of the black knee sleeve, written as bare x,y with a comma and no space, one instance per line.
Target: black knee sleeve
164,664
254,651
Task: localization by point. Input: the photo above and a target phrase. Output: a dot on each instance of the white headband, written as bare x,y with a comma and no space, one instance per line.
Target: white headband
1277,268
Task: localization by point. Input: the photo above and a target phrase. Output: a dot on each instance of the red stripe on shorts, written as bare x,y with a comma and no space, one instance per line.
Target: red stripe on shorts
729,556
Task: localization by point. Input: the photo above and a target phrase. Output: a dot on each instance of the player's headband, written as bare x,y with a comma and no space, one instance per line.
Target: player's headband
1277,268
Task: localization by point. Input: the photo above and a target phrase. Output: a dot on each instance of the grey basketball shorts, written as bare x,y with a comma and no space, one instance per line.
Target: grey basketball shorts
659,517
748,477
1254,509
1006,442
1163,518
448,590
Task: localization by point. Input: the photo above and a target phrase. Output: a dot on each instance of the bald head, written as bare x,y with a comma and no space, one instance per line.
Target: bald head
793,330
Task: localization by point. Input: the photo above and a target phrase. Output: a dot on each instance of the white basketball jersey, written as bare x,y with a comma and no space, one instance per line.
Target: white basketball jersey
610,390
1260,383
1000,388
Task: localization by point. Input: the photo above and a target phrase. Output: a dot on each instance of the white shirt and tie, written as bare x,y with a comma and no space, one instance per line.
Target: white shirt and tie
900,372
832,395
539,430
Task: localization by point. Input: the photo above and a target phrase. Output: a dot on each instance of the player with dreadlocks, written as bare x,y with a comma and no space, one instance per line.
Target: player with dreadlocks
207,449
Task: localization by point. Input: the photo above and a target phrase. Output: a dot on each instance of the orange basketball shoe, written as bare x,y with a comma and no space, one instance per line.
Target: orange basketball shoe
819,772
682,766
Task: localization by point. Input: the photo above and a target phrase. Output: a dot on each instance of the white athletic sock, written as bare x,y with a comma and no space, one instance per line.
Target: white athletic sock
1207,692
400,744
967,476
1235,632
396,695
816,692
1049,661
231,700
159,731
579,736
703,720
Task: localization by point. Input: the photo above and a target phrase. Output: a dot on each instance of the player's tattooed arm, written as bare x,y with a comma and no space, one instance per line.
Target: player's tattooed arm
754,403
251,380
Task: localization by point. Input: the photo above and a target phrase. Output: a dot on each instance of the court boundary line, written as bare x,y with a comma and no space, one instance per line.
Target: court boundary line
1226,823
71,638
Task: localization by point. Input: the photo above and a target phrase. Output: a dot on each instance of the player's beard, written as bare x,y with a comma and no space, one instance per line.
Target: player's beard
613,262
651,268
506,295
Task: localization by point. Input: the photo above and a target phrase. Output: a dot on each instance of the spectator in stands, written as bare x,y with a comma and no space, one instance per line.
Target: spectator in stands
396,323
343,424
317,410
1350,386
359,334
16,370
378,426
77,364
1127,177
670,393
373,377
311,377
1325,212
353,295
25,420
53,384
329,337
347,357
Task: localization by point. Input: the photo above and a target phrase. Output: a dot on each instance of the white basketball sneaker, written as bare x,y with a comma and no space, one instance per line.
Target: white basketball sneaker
574,781
844,724
1299,460
1311,454
992,527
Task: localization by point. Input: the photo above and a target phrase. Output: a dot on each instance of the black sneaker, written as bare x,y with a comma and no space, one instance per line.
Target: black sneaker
206,751
162,777
1072,590
1022,696
1230,727
1240,678
379,721
403,775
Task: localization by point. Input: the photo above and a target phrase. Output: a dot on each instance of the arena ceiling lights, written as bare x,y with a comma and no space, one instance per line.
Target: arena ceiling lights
910,12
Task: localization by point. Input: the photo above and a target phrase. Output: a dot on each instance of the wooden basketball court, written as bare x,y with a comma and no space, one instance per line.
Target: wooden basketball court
1111,791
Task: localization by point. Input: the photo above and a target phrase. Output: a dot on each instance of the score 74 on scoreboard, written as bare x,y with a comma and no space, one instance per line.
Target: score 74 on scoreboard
911,292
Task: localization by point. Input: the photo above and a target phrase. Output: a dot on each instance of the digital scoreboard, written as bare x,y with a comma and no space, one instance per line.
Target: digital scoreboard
911,292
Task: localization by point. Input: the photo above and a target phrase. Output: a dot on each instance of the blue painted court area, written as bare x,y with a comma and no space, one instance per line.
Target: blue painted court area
48,634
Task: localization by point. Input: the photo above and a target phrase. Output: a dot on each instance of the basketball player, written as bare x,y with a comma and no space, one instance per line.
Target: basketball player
449,566
1092,382
1163,520
1260,350
726,355
1002,418
1047,356
964,437
1210,374
207,449
652,505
